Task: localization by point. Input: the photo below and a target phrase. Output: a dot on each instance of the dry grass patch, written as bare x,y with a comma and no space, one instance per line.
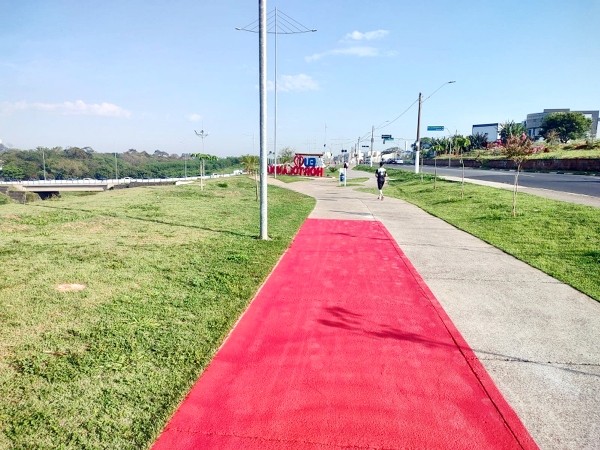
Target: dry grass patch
70,287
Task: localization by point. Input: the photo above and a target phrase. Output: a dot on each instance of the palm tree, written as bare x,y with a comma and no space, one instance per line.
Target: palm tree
511,128
478,140
250,163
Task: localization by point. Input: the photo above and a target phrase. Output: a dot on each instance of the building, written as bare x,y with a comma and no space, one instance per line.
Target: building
534,121
491,130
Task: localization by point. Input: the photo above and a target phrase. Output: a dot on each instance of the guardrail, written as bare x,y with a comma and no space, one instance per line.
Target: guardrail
125,180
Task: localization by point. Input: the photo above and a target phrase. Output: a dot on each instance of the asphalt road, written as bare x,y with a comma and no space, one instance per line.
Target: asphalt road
574,184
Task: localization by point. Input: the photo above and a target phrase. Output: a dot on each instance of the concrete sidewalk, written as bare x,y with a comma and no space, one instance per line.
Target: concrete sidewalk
537,338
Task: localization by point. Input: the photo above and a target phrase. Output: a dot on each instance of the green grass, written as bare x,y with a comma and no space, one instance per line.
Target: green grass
574,149
561,239
356,181
167,272
291,178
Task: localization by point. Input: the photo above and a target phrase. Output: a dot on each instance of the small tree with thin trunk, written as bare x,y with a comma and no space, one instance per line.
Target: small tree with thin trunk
203,157
437,147
518,149
461,144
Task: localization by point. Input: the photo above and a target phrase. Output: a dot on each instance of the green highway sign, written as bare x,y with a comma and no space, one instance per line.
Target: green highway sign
435,128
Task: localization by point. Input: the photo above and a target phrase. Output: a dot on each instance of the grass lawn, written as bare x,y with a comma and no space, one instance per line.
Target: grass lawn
574,149
356,181
292,178
165,273
561,239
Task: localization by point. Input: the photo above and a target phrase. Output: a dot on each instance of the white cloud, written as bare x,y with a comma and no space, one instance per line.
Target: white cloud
367,36
291,83
362,52
194,117
77,108
356,50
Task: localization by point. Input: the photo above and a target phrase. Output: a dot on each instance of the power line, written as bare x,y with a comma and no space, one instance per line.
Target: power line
275,25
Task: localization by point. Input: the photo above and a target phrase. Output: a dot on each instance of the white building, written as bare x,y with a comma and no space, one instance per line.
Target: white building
491,130
534,121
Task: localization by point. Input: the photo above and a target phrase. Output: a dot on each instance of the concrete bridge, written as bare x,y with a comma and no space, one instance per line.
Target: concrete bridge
48,188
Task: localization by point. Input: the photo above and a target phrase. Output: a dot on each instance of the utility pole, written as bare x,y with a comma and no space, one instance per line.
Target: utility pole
116,168
44,160
371,158
357,150
418,142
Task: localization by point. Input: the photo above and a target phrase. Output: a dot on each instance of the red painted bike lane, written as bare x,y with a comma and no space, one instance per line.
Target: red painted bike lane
344,347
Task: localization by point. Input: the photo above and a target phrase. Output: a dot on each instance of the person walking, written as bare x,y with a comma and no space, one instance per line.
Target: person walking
380,174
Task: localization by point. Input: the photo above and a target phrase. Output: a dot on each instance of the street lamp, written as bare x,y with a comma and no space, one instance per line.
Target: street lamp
262,76
202,135
418,141
287,25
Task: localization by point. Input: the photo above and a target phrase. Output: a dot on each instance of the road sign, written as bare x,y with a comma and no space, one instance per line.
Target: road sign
365,146
435,128
387,137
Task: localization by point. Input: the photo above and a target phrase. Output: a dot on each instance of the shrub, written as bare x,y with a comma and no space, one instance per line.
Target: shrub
31,197
4,199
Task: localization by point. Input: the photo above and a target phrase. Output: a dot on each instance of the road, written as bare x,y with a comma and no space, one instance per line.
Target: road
574,184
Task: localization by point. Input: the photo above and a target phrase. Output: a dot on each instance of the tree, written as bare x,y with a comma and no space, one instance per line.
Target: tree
11,172
568,125
518,148
462,143
286,155
202,157
478,141
250,163
437,145
511,128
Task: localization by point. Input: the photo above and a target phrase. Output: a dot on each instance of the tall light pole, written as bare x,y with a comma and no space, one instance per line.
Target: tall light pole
262,62
262,75
418,142
278,23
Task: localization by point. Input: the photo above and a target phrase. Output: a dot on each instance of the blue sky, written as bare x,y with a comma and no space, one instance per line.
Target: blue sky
124,74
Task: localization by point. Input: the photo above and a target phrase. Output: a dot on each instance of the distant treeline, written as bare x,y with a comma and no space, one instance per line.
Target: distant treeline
76,163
